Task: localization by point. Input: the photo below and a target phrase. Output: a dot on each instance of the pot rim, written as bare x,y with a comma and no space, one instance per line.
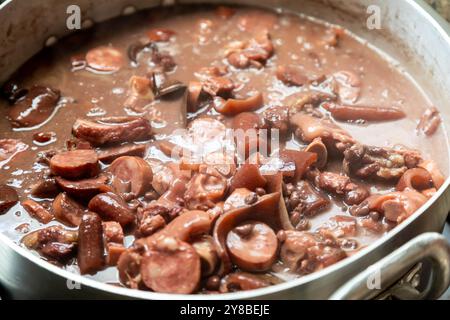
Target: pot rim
441,26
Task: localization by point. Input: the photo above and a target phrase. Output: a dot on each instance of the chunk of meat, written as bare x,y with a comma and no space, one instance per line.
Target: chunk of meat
436,174
84,189
301,197
131,175
113,253
304,252
339,226
239,198
105,59
208,255
340,185
34,108
139,93
8,198
291,75
231,107
254,52
129,265
189,225
12,91
218,86
67,210
415,179
277,118
171,266
112,232
111,207
309,128
355,113
53,242
241,281
381,163
348,86
247,176
429,122
164,60
395,206
37,211
90,256
205,189
252,246
112,130
75,164
9,148
46,188
160,34
154,217
301,159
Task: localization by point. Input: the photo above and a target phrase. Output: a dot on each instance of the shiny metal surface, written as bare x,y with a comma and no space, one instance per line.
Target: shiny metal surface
411,33
432,246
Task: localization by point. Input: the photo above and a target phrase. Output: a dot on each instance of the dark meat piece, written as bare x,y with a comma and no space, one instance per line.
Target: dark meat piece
205,189
304,252
34,108
8,198
310,128
37,211
218,86
110,154
277,118
113,253
90,244
84,189
302,198
381,163
53,242
12,92
171,266
67,210
112,130
241,281
112,207
105,59
9,148
163,60
429,122
155,217
291,75
301,159
255,52
340,185
355,113
75,164
131,176
253,246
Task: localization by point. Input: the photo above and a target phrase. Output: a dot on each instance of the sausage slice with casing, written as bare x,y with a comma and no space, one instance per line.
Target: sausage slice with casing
90,244
75,164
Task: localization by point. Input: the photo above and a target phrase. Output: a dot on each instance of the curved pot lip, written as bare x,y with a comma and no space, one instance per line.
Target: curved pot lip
441,26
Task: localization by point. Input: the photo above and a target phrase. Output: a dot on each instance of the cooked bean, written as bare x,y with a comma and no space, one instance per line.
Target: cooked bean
44,137
37,211
277,118
171,266
84,189
131,175
430,121
111,207
232,107
255,250
247,176
90,244
354,113
105,59
112,130
67,210
8,198
34,108
75,164
416,178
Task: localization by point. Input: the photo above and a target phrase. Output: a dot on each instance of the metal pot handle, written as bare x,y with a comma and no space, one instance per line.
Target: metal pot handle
381,280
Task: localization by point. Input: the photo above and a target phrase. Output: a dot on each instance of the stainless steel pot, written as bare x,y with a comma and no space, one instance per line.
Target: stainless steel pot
410,32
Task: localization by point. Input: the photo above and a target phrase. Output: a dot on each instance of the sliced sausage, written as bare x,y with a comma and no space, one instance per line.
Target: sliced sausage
436,174
8,198
355,113
46,188
84,189
35,108
189,225
205,189
131,175
105,59
111,207
253,246
415,178
67,210
171,266
90,244
75,164
37,211
110,154
112,130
